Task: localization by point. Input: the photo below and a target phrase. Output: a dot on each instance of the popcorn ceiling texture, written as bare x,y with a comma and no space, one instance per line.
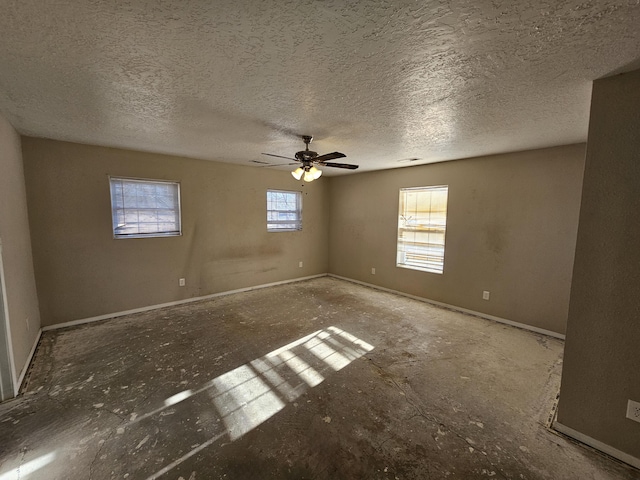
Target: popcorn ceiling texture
381,81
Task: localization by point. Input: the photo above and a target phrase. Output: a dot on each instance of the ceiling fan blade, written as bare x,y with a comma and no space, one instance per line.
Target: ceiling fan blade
329,156
278,156
277,165
340,165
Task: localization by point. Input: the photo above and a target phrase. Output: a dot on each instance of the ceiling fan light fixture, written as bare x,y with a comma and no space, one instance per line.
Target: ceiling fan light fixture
308,176
317,173
297,173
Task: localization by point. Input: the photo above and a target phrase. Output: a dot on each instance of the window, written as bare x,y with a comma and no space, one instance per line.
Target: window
284,211
422,221
145,208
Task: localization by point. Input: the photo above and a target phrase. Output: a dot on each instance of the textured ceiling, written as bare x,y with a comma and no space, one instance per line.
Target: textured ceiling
382,81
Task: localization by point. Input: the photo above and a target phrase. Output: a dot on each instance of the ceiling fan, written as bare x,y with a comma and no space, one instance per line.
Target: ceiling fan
310,159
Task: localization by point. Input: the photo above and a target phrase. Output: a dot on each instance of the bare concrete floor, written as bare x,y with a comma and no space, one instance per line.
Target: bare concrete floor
321,379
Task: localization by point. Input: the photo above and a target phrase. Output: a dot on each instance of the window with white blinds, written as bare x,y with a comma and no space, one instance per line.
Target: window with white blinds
145,208
422,223
284,211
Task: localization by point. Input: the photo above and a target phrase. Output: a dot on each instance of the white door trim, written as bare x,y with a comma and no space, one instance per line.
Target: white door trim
7,327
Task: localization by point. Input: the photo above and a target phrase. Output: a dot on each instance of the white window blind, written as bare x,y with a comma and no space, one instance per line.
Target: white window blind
284,211
145,208
422,223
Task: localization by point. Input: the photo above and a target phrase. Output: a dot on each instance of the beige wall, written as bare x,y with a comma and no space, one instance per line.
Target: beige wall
511,230
602,353
81,271
22,300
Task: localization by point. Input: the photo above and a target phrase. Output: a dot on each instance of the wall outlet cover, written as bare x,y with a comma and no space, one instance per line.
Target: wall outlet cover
633,410
485,295
181,282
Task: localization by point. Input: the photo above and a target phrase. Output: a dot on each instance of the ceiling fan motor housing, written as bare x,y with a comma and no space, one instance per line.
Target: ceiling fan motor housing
306,156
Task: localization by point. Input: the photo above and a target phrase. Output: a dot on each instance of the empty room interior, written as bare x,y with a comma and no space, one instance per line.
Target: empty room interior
319,240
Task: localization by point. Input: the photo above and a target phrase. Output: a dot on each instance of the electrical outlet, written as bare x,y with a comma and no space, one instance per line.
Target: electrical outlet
300,264
373,271
27,322
633,410
182,282
485,295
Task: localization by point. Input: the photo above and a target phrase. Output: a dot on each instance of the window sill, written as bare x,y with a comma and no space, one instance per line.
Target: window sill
421,269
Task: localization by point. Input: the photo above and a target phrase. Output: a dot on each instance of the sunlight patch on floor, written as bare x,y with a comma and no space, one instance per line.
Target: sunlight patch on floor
26,469
250,394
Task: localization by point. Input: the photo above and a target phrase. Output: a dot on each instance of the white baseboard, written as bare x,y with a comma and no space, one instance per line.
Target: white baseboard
16,387
171,304
598,445
456,308
256,287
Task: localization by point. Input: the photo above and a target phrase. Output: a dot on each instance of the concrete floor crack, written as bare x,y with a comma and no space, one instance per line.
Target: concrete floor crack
24,453
317,474
95,458
55,400
383,442
122,419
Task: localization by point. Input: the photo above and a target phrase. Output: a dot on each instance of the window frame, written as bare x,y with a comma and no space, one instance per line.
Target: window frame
158,234
400,251
298,212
